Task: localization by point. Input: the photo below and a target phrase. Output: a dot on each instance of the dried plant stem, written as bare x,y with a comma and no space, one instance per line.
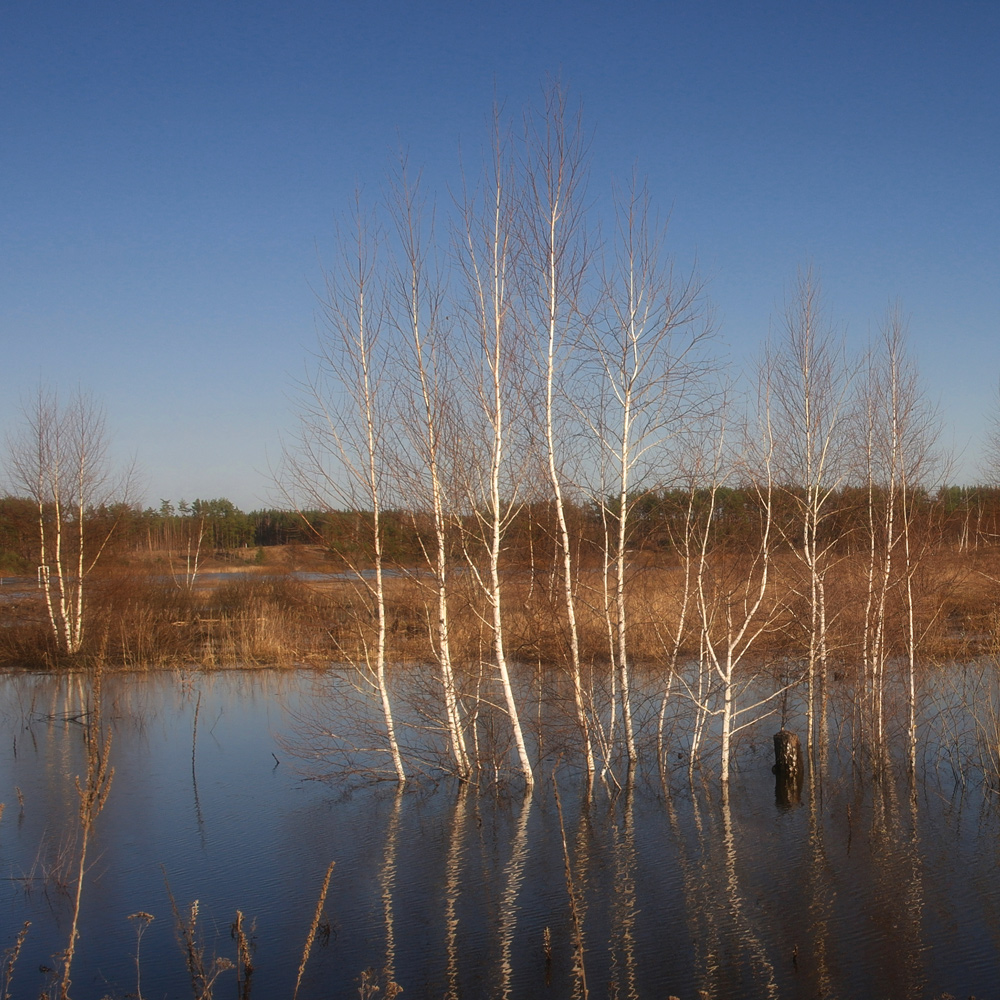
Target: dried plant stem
320,903
142,921
194,738
244,962
202,978
93,795
10,959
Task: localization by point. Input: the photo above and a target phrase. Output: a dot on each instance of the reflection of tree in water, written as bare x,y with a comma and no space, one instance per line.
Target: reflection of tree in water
704,936
624,910
820,893
577,878
752,925
452,885
896,908
513,875
872,887
771,902
731,948
387,885
745,928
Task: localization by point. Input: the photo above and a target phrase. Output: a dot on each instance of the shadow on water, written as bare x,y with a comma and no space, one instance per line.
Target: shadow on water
649,887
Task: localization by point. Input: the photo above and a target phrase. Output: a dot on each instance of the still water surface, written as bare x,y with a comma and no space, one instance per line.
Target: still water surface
865,890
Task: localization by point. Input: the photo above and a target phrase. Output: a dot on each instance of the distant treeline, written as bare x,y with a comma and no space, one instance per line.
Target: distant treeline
961,517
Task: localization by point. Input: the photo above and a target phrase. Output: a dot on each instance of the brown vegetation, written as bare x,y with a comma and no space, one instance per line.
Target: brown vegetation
268,615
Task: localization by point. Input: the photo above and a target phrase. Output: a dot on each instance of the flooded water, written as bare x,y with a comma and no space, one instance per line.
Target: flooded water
659,888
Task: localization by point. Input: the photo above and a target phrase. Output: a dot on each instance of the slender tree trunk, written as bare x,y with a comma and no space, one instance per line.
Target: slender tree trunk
565,547
557,261
488,260
421,309
622,649
368,402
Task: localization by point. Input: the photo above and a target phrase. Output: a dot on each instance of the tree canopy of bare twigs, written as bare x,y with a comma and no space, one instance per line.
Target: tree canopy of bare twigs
59,458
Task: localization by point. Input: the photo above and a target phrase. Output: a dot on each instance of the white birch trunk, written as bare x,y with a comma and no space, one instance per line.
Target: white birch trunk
565,547
488,250
373,484
59,459
429,439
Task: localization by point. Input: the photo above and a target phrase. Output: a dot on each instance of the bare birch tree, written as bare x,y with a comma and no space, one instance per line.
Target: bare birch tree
494,376
342,457
647,352
810,380
899,433
702,465
418,295
554,259
731,591
908,466
59,458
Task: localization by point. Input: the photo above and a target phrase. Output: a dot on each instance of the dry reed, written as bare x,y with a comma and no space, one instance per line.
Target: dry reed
10,957
244,957
93,794
202,975
141,921
313,927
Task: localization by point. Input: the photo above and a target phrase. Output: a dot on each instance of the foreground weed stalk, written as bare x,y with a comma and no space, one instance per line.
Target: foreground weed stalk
203,976
93,795
10,957
142,920
244,961
320,903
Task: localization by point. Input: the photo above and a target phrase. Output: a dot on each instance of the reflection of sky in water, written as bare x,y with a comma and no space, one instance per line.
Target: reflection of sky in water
841,896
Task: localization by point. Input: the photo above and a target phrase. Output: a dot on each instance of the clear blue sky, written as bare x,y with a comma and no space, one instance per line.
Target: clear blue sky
171,172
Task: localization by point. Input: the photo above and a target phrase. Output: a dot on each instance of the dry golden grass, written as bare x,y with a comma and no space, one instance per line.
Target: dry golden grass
140,619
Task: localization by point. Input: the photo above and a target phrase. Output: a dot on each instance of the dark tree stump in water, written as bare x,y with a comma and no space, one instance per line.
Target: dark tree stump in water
788,769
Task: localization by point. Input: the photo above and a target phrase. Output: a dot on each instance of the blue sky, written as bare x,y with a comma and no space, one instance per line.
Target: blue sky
172,172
